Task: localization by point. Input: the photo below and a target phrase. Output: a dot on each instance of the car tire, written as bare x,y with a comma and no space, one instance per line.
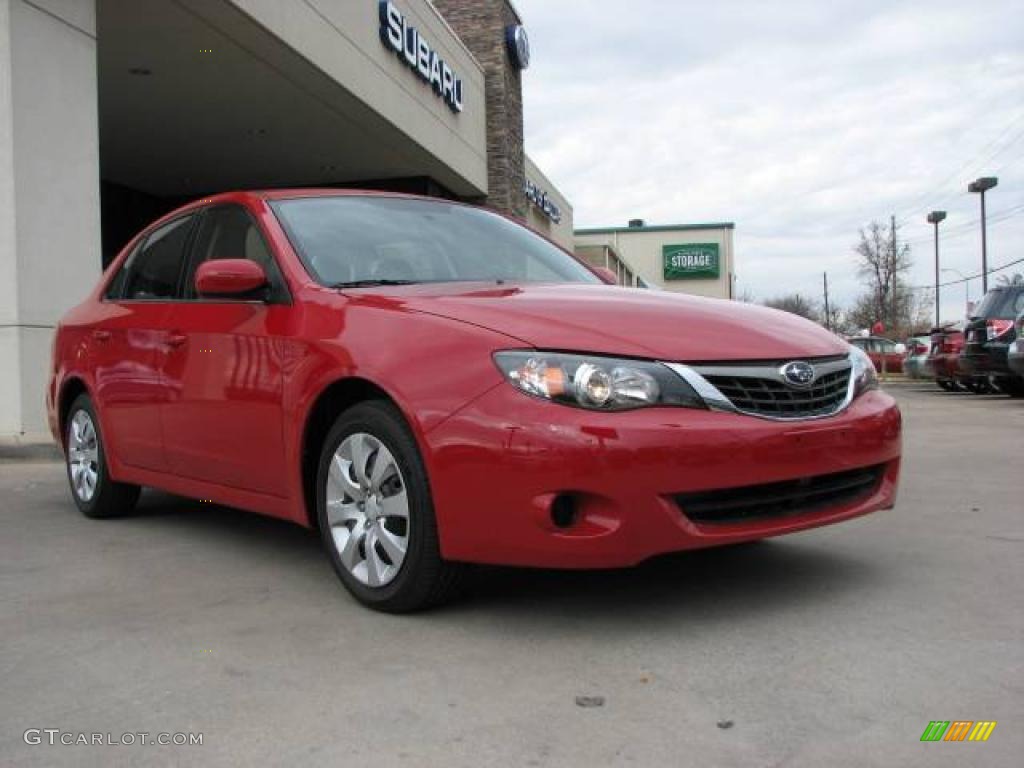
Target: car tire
1010,386
376,514
96,494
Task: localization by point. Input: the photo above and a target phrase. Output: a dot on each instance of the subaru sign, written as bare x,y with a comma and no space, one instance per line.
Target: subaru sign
412,48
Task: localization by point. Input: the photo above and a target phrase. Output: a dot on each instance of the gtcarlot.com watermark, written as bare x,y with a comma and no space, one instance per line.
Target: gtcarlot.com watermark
55,736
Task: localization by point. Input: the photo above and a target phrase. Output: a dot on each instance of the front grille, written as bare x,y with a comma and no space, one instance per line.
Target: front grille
791,497
770,397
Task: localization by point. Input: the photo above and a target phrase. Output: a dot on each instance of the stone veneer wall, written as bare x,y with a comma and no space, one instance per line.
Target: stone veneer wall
481,25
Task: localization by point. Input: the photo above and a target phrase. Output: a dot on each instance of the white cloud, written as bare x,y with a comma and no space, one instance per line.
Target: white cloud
799,121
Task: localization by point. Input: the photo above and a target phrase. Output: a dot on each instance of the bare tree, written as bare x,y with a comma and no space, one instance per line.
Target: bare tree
881,263
796,304
911,308
745,296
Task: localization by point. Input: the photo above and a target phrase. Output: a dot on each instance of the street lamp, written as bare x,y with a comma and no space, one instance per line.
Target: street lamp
967,283
981,185
934,218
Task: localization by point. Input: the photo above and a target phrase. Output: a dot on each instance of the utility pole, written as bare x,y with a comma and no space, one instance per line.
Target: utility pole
828,317
981,186
934,218
892,296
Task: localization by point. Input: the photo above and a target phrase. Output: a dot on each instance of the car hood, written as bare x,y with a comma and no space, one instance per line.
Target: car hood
618,321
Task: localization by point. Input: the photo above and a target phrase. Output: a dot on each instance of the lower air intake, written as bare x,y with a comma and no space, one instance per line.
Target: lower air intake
771,500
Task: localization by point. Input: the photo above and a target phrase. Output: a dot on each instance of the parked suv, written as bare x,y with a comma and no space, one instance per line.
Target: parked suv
1015,354
988,336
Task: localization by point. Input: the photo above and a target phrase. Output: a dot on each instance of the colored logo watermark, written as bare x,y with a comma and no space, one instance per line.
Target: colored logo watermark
958,730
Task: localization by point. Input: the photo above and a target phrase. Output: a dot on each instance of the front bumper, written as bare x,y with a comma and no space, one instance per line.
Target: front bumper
497,465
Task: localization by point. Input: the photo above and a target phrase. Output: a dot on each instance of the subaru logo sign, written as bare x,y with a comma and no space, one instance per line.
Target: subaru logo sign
799,374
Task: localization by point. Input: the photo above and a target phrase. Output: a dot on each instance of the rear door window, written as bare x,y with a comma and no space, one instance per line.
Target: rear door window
153,272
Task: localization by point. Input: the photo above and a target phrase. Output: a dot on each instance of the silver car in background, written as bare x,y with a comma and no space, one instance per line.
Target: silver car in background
915,364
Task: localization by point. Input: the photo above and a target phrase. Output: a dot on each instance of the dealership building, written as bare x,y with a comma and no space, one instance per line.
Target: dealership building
113,112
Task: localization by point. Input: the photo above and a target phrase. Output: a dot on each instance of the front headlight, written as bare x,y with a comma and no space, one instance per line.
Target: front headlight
864,375
597,383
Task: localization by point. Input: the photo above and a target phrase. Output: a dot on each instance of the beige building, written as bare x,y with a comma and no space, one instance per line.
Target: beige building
686,258
604,255
113,112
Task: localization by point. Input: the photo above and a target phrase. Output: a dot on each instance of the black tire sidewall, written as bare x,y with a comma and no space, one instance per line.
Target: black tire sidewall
385,423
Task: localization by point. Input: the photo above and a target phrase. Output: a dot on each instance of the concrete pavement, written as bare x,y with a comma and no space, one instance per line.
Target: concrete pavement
834,647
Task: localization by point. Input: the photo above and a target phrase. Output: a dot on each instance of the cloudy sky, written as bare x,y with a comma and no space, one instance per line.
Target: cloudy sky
799,120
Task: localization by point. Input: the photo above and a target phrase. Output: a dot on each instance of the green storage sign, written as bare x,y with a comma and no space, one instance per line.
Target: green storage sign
691,261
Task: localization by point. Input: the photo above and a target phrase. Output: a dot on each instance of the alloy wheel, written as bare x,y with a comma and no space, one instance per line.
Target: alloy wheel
83,456
368,509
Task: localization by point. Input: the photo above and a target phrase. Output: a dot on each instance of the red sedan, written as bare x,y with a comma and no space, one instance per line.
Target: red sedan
430,384
885,354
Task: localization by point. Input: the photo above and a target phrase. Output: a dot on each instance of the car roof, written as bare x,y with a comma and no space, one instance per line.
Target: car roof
241,195
283,194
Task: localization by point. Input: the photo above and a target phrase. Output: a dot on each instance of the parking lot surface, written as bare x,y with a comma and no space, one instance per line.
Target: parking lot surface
834,647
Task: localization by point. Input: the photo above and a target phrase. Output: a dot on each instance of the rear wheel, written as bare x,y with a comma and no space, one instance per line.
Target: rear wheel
95,493
1013,387
376,515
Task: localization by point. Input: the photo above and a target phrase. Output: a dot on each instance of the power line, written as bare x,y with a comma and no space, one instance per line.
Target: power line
971,226
963,228
916,206
966,279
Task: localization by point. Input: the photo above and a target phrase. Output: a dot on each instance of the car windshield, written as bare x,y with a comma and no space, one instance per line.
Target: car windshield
370,240
1001,304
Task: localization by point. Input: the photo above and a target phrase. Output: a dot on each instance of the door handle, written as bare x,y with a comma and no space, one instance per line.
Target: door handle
175,340
101,335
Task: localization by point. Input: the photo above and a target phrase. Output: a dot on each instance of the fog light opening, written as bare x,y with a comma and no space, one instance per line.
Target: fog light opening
563,511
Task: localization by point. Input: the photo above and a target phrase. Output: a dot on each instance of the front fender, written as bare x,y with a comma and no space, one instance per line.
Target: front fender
429,366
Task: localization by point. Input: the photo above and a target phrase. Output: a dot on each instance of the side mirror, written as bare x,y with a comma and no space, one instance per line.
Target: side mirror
901,349
607,275
229,277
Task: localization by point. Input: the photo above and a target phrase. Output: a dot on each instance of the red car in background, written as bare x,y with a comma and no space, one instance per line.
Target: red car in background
430,384
887,355
944,358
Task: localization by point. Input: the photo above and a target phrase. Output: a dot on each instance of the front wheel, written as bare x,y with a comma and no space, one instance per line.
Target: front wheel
375,513
95,493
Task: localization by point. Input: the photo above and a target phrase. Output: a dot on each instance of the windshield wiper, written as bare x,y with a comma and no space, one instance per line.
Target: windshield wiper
371,283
